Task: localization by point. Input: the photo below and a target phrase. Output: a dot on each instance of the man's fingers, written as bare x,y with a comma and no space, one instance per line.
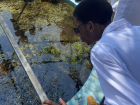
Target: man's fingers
62,102
44,104
49,102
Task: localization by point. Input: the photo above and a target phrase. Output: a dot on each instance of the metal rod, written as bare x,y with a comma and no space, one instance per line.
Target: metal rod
24,62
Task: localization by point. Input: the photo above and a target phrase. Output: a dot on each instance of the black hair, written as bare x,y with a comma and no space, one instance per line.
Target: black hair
98,11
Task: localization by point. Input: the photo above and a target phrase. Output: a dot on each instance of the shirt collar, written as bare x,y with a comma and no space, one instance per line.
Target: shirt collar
114,25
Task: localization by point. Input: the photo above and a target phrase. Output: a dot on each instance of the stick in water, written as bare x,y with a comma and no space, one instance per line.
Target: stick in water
24,62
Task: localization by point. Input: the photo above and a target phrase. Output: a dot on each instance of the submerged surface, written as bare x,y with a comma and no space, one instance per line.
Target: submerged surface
44,32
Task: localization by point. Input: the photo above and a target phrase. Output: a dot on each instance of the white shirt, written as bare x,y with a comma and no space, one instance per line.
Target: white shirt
116,58
115,6
128,9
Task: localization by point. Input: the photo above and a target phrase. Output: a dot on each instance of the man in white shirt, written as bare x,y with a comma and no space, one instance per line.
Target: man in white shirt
116,55
116,58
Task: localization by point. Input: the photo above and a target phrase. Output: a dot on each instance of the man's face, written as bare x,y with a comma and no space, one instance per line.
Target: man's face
82,30
86,31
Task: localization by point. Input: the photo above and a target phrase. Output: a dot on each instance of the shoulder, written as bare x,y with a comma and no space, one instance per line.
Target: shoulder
105,53
102,48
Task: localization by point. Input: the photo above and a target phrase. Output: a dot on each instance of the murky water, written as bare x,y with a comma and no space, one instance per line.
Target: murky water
44,32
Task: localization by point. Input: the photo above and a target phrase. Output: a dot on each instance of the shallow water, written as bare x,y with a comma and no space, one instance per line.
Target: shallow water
44,32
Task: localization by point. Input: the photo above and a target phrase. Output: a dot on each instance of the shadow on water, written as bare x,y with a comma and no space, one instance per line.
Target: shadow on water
75,75
28,1
5,65
21,11
52,1
44,31
19,32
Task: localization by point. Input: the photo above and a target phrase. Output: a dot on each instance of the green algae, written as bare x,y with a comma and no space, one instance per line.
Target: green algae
31,15
52,50
40,14
76,53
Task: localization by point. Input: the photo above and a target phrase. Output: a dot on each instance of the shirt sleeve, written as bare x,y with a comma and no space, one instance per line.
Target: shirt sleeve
118,85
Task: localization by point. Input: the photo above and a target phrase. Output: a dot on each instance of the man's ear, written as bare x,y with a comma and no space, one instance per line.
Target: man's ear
91,26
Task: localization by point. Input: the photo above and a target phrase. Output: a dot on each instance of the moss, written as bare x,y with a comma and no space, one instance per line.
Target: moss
51,50
88,64
38,13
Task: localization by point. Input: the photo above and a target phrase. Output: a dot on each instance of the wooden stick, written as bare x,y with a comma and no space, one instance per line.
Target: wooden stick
24,62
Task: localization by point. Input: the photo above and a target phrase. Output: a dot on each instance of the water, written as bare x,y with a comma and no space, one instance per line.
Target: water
44,32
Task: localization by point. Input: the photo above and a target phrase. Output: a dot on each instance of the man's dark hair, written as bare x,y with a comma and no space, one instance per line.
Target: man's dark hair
98,11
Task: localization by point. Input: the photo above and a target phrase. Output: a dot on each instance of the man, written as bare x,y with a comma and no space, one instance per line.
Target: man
116,55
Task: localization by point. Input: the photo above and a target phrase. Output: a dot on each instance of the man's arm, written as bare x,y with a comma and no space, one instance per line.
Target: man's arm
118,85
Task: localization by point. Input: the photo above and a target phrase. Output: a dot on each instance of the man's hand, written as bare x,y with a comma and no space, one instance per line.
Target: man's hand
49,102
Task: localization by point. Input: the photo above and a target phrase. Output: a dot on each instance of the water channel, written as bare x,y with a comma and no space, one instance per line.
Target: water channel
44,32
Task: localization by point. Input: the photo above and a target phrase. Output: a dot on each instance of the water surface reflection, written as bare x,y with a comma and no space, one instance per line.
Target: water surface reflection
44,32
